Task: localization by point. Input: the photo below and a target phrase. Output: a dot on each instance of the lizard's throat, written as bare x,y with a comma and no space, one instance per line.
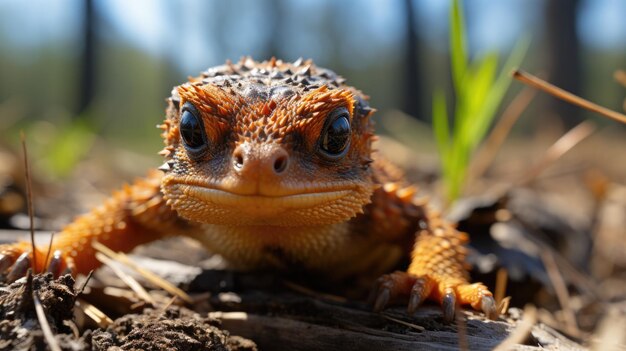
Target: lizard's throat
204,204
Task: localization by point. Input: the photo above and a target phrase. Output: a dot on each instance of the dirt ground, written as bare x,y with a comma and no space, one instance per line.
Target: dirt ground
171,328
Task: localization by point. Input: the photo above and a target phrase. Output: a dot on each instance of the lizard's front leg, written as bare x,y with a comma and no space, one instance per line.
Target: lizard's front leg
438,272
135,215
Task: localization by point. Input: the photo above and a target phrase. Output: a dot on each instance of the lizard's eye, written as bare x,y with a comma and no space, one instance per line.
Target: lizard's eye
336,134
192,130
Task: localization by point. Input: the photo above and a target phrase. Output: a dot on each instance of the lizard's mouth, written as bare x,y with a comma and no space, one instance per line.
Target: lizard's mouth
263,203
273,205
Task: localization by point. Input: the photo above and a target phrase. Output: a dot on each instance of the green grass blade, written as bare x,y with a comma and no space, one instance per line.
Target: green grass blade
68,147
442,135
479,89
498,90
479,83
440,122
481,80
458,45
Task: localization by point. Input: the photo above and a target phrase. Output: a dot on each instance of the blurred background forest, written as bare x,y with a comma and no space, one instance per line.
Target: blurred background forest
76,72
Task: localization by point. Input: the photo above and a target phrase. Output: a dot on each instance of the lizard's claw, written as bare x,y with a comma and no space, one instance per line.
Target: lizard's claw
56,262
449,292
20,267
6,261
448,304
488,306
388,289
16,259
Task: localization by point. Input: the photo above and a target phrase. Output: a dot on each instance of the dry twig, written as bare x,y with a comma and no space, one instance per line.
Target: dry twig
561,292
501,280
127,279
558,149
82,288
406,324
461,327
557,92
45,262
503,306
165,307
45,326
29,198
309,292
151,277
486,154
522,331
94,313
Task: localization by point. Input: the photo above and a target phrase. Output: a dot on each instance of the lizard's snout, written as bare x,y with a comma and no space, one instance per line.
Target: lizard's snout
263,162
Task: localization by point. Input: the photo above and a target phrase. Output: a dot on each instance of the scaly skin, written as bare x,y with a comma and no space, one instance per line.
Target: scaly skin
270,165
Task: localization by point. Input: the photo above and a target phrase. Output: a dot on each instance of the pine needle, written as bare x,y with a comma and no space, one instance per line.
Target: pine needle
503,306
559,93
461,327
164,308
45,262
406,324
45,326
501,280
487,153
521,332
29,198
94,313
82,288
558,149
131,282
151,277
571,326
316,294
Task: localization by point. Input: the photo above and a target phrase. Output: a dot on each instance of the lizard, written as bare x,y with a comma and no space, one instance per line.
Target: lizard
270,164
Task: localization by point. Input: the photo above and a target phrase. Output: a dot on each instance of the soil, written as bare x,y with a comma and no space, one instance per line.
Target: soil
19,328
258,306
174,328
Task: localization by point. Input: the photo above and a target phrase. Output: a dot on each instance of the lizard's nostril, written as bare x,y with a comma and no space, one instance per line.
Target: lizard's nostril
280,163
260,159
238,159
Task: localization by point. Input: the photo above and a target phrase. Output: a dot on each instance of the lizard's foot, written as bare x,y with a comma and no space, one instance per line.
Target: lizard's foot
400,286
16,259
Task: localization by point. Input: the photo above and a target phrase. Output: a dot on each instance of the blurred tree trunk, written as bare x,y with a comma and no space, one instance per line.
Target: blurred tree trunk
87,60
176,30
276,13
412,77
216,28
564,64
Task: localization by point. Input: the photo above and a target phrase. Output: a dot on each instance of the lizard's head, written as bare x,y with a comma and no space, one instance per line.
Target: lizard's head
267,143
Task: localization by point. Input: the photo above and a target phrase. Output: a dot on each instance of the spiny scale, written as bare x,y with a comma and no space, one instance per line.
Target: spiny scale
268,80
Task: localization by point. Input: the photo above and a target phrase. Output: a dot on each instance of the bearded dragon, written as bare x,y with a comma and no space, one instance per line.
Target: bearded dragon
270,164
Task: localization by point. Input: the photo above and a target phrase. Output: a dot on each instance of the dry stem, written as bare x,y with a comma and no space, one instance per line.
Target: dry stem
558,149
559,93
153,278
486,154
45,326
29,197
561,292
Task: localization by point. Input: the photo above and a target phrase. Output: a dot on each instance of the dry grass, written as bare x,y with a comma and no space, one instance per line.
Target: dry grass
149,276
557,92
